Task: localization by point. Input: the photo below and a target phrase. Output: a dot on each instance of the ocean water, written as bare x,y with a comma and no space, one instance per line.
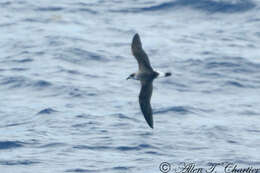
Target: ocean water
66,106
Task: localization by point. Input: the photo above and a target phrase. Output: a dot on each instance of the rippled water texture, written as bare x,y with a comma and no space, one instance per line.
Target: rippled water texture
65,105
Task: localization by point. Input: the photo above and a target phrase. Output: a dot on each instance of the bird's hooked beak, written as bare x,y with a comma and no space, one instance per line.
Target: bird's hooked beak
131,76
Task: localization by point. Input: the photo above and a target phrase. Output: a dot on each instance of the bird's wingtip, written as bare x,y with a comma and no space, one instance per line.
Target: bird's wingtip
136,43
150,123
136,38
136,35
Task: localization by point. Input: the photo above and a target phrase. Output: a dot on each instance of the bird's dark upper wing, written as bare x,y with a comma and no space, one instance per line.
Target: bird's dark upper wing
144,101
140,55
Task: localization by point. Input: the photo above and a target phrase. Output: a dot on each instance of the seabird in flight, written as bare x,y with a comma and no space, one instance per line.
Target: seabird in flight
146,75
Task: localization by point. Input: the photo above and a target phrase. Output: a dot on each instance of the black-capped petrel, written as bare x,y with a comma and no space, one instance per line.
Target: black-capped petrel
146,75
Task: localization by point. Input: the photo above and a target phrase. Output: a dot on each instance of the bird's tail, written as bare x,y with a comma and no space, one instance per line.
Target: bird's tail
161,74
167,74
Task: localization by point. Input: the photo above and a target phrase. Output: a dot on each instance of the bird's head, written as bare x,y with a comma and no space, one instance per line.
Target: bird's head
131,76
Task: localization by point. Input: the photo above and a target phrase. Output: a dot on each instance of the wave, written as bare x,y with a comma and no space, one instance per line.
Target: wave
18,162
122,116
48,9
47,111
119,148
87,124
55,145
232,64
234,83
178,109
14,81
74,92
81,170
23,60
21,82
211,6
220,72
87,147
79,56
10,144
138,147
122,168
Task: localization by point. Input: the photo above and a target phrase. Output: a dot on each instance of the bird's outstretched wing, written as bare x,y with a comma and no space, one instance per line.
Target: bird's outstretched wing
140,55
144,101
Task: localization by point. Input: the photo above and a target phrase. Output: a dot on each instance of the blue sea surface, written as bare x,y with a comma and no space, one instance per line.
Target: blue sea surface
66,106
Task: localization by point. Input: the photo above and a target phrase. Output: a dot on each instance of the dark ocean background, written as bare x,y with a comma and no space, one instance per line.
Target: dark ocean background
66,106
